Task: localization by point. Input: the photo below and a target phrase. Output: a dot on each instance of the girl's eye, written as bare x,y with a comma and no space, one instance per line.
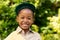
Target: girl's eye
22,17
29,18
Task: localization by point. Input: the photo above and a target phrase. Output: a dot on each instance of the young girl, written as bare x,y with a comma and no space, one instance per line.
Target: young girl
25,18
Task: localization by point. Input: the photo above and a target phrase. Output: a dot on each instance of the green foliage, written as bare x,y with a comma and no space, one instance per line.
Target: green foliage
7,19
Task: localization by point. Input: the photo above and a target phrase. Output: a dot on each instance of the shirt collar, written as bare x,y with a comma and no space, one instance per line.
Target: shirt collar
19,30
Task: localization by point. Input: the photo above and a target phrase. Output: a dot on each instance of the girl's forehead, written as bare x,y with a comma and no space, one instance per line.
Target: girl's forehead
26,10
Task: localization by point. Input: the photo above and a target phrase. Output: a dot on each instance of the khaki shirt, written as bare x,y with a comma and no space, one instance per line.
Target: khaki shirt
20,35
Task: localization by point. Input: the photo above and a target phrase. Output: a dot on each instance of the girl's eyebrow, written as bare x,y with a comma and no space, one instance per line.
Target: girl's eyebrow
29,16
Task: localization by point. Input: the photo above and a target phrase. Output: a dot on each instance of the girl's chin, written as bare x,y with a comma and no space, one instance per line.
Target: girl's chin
25,28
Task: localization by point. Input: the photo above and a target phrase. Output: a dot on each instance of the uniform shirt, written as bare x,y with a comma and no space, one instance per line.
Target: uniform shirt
20,35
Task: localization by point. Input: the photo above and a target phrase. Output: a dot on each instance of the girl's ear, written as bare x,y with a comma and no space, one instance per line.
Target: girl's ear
17,18
33,21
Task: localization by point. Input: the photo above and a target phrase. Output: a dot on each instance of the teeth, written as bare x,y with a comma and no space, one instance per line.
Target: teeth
24,24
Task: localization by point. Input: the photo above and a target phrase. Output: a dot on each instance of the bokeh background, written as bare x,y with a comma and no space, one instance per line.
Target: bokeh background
47,18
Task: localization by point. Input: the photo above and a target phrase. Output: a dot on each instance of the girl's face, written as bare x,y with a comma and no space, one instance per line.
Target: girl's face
25,18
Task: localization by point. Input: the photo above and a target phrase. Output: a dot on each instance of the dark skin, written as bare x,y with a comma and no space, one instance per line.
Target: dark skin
25,19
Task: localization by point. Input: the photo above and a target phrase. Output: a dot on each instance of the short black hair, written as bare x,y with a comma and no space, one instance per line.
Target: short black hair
25,5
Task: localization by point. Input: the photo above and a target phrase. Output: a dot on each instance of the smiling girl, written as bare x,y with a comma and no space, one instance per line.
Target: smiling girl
25,18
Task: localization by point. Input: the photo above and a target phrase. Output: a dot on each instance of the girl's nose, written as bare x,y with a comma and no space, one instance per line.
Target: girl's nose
25,20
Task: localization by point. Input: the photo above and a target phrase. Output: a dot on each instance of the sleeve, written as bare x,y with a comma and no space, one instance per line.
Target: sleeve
38,36
10,37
